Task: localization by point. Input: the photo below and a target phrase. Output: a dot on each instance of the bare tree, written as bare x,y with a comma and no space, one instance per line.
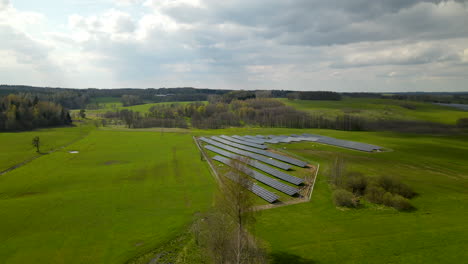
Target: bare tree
337,170
224,232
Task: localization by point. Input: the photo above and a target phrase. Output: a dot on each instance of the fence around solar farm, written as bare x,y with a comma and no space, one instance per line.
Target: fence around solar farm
237,154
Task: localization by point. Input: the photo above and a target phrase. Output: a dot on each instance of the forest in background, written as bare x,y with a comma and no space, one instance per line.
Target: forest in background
25,113
80,98
27,107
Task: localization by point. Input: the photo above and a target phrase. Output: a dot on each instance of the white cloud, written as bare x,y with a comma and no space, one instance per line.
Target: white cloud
127,2
114,23
402,54
161,4
243,44
4,4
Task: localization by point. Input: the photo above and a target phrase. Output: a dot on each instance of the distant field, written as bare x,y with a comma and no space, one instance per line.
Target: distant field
380,109
123,194
113,103
17,147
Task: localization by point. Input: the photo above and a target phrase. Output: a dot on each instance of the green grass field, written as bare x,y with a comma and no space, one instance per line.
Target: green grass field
113,103
17,147
380,109
437,232
123,194
129,191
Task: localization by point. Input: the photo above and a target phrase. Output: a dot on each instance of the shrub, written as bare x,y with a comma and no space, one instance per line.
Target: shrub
374,194
401,203
356,182
404,190
395,186
387,199
462,123
344,198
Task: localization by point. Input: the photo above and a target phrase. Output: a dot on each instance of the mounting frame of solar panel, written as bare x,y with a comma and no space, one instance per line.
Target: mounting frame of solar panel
265,168
264,159
289,190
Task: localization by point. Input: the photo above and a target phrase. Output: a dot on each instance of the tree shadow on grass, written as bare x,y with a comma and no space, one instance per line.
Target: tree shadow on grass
280,257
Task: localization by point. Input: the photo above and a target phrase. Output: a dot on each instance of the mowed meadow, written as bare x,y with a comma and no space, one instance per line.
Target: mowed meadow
122,195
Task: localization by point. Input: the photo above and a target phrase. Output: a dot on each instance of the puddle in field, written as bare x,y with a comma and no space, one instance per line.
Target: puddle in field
73,151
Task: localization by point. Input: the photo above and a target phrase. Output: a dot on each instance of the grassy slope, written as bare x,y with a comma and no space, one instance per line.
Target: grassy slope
436,233
380,108
113,103
123,194
17,147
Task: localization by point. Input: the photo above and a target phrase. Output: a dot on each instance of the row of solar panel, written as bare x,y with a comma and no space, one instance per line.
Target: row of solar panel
345,143
258,190
244,142
272,162
251,140
265,152
274,172
273,139
259,176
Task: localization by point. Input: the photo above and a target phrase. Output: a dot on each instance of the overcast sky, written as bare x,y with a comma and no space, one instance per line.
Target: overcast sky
340,45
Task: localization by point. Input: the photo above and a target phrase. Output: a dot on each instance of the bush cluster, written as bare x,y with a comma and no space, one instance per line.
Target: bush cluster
345,198
386,190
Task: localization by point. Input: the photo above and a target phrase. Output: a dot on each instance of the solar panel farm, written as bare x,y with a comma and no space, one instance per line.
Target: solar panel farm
117,194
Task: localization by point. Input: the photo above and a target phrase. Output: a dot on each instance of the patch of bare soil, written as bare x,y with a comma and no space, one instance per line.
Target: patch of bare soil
111,162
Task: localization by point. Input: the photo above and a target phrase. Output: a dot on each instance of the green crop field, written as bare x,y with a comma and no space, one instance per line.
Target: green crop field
123,194
380,109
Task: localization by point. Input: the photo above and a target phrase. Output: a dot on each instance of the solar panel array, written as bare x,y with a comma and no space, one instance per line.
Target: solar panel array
272,162
230,143
267,153
250,139
258,190
259,176
244,142
277,173
345,143
274,172
272,139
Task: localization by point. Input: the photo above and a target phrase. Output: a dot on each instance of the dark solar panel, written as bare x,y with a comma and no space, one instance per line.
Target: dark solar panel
258,190
345,143
261,158
244,142
264,152
260,177
285,159
251,139
230,143
274,172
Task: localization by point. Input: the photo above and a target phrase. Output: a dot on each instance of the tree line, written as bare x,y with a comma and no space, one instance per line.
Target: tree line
25,113
260,112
